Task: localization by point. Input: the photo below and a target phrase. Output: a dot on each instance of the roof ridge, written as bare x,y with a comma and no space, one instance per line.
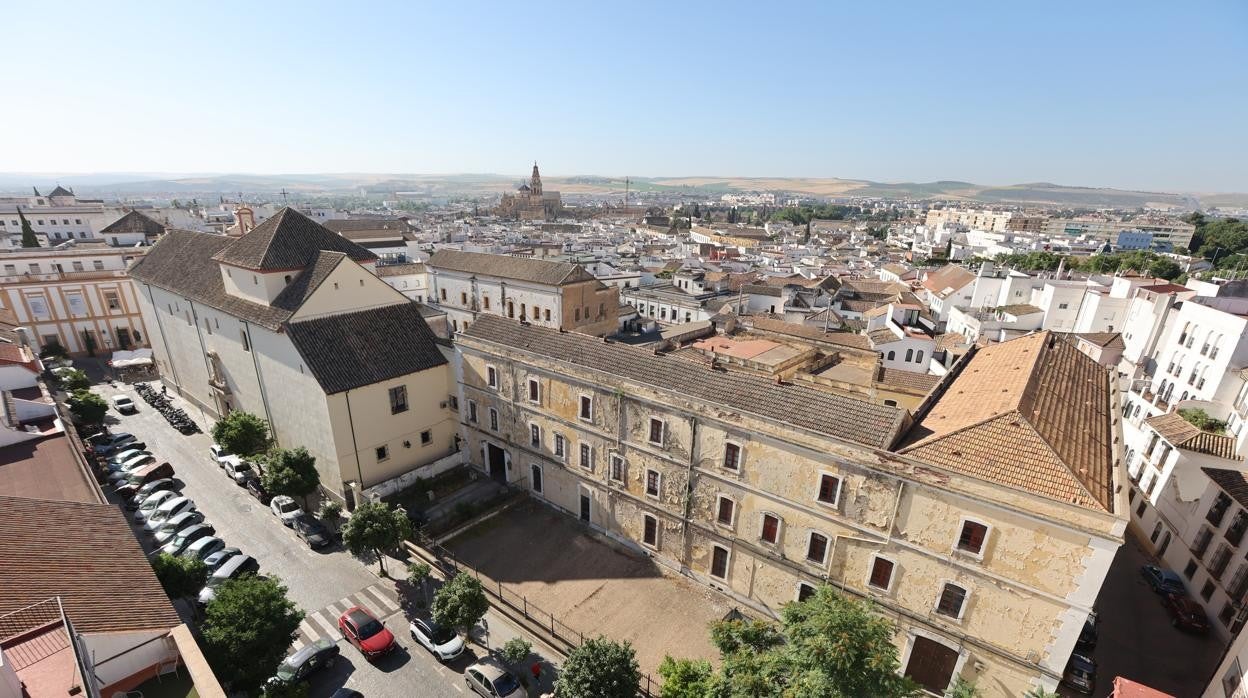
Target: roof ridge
1058,457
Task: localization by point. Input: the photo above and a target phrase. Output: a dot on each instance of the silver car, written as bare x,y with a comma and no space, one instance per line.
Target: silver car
176,523
488,678
166,511
151,503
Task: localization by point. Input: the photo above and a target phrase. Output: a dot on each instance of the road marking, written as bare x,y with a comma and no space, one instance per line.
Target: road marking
458,687
296,645
383,600
330,630
347,602
306,629
334,608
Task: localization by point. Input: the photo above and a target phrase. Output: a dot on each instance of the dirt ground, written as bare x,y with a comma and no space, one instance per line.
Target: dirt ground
592,585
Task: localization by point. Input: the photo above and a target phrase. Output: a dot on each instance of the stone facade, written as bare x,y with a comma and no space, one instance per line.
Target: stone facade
530,202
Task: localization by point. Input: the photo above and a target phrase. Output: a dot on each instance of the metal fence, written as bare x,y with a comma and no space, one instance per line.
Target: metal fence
450,564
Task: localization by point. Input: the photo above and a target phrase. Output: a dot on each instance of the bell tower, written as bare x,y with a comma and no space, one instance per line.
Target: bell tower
535,182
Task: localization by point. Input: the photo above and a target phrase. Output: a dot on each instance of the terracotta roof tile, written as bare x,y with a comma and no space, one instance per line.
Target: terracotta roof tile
287,240
503,266
1231,481
1187,436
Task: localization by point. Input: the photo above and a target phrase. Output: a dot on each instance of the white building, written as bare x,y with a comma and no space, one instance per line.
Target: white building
56,217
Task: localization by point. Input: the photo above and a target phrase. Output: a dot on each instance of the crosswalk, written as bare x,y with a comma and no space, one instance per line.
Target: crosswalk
323,623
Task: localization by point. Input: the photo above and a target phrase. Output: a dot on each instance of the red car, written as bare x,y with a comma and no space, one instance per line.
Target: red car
1186,614
362,629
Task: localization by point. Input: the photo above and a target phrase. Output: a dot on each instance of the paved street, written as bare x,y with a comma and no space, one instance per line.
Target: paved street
323,584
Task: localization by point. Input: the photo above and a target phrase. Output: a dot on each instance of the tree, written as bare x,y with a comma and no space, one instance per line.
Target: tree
242,433
418,574
248,626
290,471
961,688
460,603
687,678
73,380
1041,692
285,689
87,407
599,668
1166,269
516,650
331,514
375,528
28,233
179,576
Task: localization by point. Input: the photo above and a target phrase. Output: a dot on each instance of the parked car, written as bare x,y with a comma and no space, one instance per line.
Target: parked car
313,532
150,503
132,449
203,547
1185,613
309,658
345,692
167,510
1163,581
186,536
1080,674
444,643
220,557
362,629
175,524
488,678
103,444
1086,641
148,473
233,568
237,468
285,508
133,495
130,466
124,405
256,489
219,454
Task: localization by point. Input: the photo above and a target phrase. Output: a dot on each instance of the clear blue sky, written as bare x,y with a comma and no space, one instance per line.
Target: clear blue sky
1128,94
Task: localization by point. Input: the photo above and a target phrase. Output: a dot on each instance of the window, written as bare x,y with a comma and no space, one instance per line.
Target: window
726,512
1235,532
804,591
656,431
485,300
426,437
79,267
535,436
918,358
1190,570
971,540
1063,306
1201,542
952,601
1139,511
890,403
560,448
535,477
578,315
472,411
829,489
771,529
443,294
535,390
546,314
383,453
587,407
398,399
1218,510
587,456
652,483
36,269
909,355
817,548
650,531
732,456
208,326
1206,591
491,376
617,468
881,573
1217,564
10,270
1227,615
719,562
892,355
453,402
463,298
493,419
242,335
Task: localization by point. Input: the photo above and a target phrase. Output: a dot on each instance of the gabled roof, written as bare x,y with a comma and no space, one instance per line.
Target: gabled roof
91,560
537,271
308,281
1231,481
60,191
134,222
1031,413
288,240
947,279
352,350
1184,435
801,406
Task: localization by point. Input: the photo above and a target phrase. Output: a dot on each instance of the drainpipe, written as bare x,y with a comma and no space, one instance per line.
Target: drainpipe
359,473
264,395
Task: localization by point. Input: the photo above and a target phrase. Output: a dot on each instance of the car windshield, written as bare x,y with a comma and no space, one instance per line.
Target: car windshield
370,628
286,671
441,635
506,684
287,507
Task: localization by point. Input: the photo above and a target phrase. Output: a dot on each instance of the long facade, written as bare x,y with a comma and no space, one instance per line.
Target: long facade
710,478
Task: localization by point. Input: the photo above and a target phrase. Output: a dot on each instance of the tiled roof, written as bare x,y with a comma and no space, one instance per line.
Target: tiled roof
1231,481
1032,413
90,558
759,290
45,468
809,408
765,323
134,222
1103,339
1019,309
287,240
908,380
1187,436
356,349
352,227
60,191
308,280
947,279
537,271
385,270
883,336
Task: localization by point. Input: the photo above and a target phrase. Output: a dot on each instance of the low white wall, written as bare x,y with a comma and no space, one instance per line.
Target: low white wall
424,472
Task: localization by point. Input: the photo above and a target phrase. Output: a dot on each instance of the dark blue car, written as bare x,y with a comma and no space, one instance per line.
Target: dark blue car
1163,581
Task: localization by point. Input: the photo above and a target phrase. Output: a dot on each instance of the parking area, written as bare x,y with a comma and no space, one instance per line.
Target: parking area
591,585
1136,639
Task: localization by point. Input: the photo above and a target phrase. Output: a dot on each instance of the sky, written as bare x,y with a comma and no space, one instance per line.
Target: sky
1144,95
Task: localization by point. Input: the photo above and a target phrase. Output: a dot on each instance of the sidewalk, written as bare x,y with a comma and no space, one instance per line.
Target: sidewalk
489,636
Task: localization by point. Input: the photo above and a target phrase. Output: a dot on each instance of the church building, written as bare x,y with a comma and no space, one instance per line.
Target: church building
530,203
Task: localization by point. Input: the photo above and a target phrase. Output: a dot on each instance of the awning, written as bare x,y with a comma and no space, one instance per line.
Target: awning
129,359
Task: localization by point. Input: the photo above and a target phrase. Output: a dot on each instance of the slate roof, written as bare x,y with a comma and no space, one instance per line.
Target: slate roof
835,415
287,240
60,191
1184,435
92,561
1031,413
356,349
539,271
134,222
1231,481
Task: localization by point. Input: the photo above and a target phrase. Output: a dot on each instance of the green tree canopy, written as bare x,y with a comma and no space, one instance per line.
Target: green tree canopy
375,528
247,629
87,407
599,668
290,471
73,380
180,576
29,239
516,650
688,678
460,603
242,433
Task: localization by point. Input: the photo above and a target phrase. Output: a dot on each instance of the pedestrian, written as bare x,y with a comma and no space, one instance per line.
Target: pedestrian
164,389
537,671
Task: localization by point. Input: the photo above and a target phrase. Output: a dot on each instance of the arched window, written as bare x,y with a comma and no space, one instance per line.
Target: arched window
1156,533
892,355
919,358
1137,410
1191,337
909,355
1165,543
1183,335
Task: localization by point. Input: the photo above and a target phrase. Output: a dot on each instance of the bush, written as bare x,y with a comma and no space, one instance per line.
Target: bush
516,650
87,407
1201,420
73,380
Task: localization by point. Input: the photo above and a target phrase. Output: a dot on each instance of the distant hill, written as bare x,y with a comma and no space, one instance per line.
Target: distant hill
484,184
